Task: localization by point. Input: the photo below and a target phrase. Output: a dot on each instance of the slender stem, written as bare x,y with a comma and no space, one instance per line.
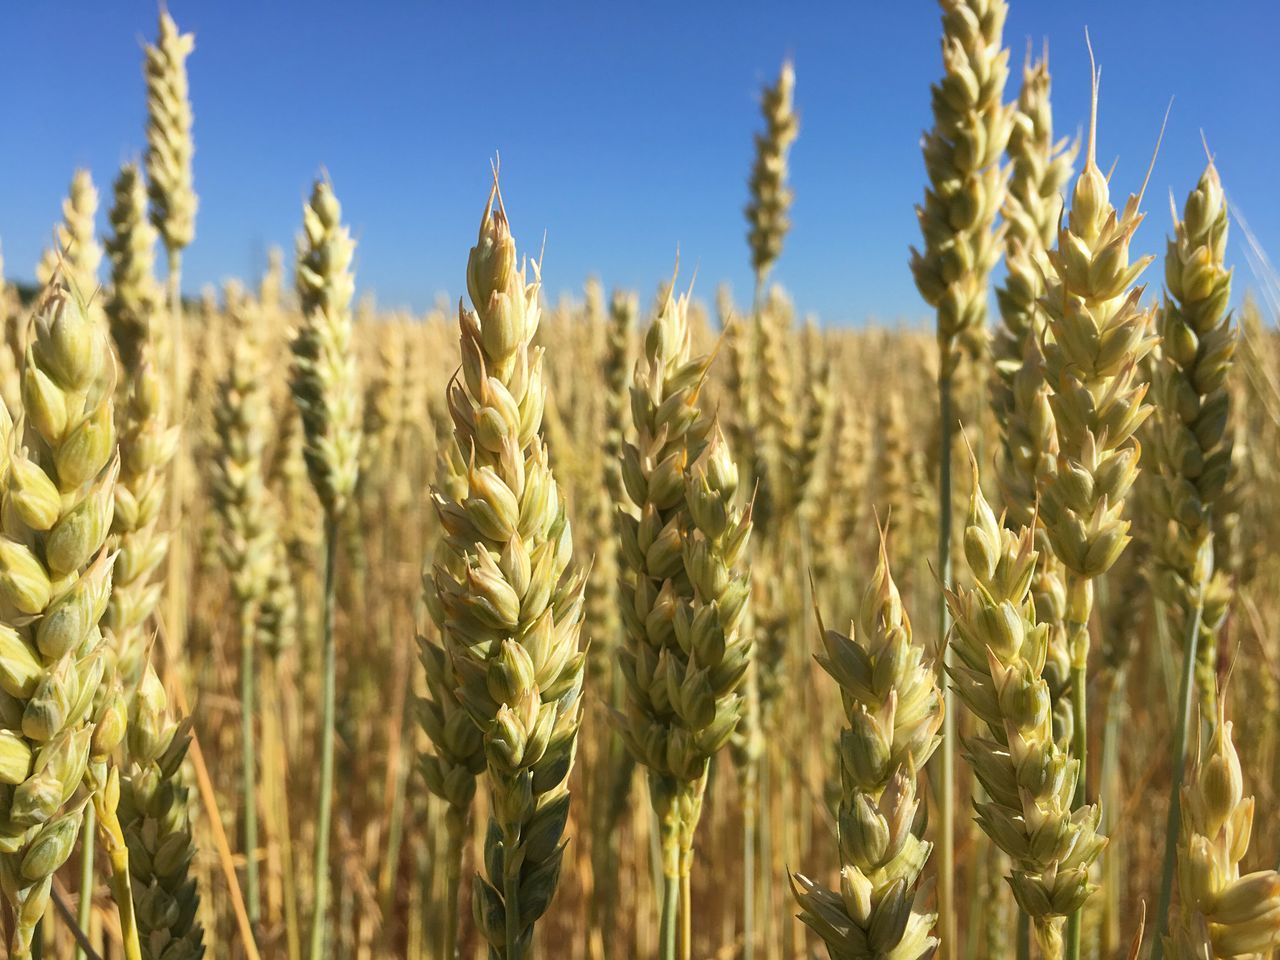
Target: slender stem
103,813
274,741
670,909
1024,935
324,815
1179,769
751,882
84,913
456,827
1111,788
686,913
122,893
1079,612
749,816
511,892
764,780
947,786
249,762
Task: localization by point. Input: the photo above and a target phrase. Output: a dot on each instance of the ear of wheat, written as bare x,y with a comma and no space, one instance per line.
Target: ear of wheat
893,708
134,296
511,596
1193,448
1000,649
154,812
1222,913
55,578
770,195
169,144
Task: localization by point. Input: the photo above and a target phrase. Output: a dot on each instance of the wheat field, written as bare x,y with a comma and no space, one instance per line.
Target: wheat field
647,625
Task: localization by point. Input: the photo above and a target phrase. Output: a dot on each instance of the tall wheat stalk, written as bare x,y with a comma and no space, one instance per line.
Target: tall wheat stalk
1193,456
967,187
328,399
1100,333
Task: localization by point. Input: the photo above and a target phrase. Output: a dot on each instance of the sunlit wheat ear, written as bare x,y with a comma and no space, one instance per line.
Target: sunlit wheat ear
324,366
893,714
510,593
1221,913
966,184
1028,778
134,296
55,579
155,813
170,147
1192,448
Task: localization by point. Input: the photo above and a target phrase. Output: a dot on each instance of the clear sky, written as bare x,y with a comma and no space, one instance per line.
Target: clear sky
624,129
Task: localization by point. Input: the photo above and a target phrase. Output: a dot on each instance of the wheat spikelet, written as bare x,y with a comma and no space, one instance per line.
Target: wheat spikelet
893,709
55,578
1193,448
239,489
770,196
169,144
1040,167
324,369
510,594
685,593
961,153
157,828
77,251
147,444
1222,914
1000,650
134,296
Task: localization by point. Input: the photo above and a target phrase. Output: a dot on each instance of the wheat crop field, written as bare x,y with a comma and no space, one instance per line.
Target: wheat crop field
637,624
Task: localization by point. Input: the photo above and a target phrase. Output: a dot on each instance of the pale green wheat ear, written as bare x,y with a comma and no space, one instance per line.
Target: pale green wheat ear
324,367
154,812
999,651
966,184
1192,447
77,254
767,213
511,596
893,714
170,147
135,296
1221,912
55,579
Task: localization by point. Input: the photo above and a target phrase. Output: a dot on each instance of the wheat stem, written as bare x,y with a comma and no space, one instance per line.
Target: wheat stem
324,812
1173,821
84,911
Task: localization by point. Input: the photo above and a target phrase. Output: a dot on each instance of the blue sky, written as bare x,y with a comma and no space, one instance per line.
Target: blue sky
624,130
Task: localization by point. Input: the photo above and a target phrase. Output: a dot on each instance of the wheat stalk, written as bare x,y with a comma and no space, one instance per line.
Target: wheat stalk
1100,334
323,382
1193,455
